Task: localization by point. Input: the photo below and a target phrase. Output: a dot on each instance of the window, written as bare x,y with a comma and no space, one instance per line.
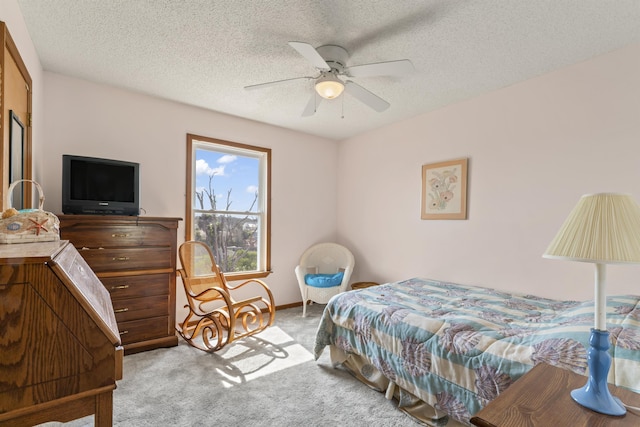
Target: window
228,201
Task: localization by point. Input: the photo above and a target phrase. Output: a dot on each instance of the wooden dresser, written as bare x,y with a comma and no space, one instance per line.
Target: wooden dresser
135,258
60,353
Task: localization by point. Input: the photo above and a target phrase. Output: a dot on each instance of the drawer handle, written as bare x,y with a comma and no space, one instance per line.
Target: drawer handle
120,258
121,310
124,332
120,287
120,235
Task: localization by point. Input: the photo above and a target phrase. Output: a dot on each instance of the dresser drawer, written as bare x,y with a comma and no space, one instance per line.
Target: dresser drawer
142,330
140,308
142,285
90,236
122,259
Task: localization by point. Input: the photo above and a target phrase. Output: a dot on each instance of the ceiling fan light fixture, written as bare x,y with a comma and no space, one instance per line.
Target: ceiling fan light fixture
329,86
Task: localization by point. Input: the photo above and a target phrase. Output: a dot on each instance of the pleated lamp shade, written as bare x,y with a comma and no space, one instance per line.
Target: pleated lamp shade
603,228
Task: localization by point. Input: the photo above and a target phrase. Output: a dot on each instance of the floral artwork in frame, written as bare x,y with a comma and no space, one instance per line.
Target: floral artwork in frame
444,190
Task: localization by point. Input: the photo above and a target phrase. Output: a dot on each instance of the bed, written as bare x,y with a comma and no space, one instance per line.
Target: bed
445,350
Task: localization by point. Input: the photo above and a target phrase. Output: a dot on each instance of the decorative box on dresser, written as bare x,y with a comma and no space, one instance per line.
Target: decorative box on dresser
60,352
135,258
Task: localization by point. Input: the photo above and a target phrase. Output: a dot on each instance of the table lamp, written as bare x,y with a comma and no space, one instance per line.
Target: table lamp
602,229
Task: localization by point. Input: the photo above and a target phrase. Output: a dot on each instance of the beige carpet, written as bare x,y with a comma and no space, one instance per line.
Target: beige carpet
270,379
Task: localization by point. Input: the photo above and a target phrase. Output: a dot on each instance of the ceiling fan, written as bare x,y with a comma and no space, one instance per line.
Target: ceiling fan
334,74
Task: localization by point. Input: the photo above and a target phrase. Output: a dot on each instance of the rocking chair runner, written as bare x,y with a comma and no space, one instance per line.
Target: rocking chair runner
215,317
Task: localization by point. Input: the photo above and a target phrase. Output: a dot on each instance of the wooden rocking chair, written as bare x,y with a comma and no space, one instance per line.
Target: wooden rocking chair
215,317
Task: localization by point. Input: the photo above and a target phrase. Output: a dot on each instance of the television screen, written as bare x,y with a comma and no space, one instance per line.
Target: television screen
99,186
101,181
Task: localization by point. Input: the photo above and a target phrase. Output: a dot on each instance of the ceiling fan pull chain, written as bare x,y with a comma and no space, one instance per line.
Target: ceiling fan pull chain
342,106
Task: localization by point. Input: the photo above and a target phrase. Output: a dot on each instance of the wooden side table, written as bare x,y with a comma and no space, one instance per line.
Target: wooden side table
362,285
542,398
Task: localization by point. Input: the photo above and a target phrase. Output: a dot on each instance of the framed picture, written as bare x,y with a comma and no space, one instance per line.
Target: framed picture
444,190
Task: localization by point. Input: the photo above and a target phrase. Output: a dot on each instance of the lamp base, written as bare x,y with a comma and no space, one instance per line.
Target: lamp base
595,394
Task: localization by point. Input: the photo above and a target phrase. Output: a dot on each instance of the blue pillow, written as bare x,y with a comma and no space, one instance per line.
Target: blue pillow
324,280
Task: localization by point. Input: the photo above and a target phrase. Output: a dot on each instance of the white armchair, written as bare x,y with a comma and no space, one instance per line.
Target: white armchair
323,259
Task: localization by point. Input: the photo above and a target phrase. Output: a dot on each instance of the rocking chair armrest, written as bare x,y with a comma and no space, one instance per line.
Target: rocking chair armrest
224,294
246,282
259,282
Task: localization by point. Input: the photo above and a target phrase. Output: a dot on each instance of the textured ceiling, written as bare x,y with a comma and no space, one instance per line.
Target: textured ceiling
203,52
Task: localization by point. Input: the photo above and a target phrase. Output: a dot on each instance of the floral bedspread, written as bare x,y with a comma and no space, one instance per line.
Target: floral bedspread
457,347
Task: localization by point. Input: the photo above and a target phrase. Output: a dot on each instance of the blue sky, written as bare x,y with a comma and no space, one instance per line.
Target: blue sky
238,173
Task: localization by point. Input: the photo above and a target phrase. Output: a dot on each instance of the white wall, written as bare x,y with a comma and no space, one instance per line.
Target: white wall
94,120
533,148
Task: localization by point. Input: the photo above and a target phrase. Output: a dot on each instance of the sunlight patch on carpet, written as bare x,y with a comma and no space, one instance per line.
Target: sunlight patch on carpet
265,353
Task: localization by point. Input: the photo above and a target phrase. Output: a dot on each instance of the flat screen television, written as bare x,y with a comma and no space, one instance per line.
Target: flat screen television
100,186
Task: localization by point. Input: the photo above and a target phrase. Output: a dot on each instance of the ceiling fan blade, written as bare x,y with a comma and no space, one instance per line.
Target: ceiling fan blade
275,83
389,68
311,54
366,97
312,105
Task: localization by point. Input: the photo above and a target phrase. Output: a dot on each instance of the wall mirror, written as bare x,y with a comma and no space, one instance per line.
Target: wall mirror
16,158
